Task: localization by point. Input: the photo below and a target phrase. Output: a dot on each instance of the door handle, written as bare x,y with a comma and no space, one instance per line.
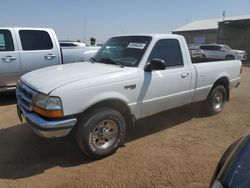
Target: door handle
8,59
184,75
130,86
49,56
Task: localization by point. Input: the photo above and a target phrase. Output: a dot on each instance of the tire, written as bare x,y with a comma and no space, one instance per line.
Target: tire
216,100
101,132
229,57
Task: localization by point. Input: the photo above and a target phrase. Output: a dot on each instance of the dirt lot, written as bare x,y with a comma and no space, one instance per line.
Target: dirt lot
177,148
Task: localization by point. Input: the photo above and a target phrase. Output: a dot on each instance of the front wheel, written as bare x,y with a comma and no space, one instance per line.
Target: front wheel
216,100
101,132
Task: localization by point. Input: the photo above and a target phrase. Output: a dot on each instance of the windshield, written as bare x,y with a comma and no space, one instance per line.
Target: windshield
126,51
227,47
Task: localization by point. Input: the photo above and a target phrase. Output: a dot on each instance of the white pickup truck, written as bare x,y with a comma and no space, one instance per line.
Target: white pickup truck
77,51
25,49
131,77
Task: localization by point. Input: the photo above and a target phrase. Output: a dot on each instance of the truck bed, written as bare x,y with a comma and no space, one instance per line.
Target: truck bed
208,73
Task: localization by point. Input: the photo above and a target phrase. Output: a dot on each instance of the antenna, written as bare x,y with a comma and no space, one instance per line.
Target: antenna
224,15
84,29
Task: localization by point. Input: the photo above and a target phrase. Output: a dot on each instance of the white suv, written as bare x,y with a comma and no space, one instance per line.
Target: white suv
219,51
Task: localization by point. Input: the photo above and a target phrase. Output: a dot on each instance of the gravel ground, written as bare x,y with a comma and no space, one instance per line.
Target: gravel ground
176,148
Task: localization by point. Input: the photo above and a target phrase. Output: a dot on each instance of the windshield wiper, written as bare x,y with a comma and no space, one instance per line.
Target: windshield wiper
109,60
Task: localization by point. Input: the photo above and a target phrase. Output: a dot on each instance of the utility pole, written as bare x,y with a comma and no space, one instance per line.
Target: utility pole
224,15
84,29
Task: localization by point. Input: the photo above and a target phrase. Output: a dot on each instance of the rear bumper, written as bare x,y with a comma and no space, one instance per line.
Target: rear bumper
47,128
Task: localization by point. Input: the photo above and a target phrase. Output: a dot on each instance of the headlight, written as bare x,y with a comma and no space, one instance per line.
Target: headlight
48,106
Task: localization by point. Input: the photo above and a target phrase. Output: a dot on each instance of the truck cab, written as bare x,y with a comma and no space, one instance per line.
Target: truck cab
178,69
23,50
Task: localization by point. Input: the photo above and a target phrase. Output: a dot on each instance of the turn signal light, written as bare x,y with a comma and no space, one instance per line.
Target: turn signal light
48,113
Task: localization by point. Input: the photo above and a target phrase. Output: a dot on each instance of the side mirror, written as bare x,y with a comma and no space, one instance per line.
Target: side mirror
233,170
155,64
222,49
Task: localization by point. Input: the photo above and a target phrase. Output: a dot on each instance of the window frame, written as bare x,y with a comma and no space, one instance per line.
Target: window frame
150,38
168,67
208,47
217,48
28,30
11,41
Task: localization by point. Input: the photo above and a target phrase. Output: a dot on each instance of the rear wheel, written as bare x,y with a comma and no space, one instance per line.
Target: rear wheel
101,132
216,100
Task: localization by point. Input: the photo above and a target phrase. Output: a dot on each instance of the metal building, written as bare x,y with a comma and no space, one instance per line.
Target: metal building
233,31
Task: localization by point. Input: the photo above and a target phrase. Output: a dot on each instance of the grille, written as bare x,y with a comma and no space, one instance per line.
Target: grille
25,95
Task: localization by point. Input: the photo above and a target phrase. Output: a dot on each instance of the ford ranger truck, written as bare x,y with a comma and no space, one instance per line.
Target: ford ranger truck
130,77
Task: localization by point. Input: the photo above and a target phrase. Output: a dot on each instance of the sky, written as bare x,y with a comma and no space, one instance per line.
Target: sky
103,19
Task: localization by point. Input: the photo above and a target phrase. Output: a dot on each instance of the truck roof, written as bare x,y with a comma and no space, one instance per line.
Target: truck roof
153,35
27,28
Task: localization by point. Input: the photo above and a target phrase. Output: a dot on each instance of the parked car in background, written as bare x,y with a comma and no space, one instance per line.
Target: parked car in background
233,169
195,52
25,49
71,44
77,51
130,77
222,52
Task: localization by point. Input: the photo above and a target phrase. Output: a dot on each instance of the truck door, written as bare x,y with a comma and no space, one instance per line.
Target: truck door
38,49
219,52
9,58
165,89
210,52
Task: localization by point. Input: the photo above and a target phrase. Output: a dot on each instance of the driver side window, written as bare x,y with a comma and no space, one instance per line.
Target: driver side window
217,48
168,50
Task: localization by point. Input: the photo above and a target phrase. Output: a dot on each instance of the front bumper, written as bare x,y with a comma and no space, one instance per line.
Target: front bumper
242,58
47,128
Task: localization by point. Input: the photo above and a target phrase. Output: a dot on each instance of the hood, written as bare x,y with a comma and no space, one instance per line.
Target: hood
47,79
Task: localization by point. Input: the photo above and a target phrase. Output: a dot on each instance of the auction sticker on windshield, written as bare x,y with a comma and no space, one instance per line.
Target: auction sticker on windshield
136,45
